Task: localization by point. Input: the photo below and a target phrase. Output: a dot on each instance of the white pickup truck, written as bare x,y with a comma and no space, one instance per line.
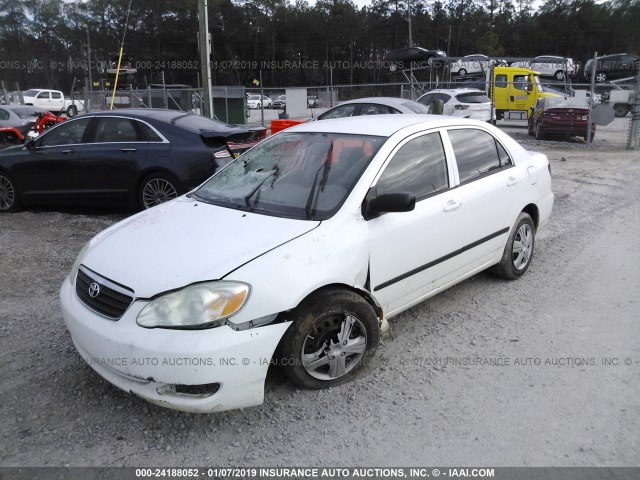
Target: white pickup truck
52,100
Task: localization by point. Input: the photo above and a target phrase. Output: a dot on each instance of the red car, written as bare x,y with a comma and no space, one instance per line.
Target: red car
560,117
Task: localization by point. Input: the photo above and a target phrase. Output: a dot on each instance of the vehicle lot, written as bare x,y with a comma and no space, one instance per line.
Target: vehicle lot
579,300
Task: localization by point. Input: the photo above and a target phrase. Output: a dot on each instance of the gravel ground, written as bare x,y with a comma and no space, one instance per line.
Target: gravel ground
579,300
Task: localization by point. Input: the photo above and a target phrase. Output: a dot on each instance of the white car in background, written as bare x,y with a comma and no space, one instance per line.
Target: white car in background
259,101
550,66
459,102
471,65
305,245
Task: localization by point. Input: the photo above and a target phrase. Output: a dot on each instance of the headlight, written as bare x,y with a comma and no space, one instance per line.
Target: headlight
203,305
76,264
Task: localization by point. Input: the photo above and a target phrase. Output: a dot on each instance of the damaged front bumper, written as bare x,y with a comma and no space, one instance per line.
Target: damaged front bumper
204,371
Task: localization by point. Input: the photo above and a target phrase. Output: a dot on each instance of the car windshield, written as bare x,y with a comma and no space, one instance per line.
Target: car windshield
473,97
416,107
293,175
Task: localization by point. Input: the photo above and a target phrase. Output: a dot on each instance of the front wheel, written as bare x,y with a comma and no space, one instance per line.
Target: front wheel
601,77
333,335
518,251
462,72
9,198
538,132
155,189
621,109
559,75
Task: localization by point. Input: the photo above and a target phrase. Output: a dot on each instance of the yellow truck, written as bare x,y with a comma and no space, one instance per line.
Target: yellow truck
514,91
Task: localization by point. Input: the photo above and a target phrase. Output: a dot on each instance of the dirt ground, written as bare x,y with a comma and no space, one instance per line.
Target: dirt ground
551,376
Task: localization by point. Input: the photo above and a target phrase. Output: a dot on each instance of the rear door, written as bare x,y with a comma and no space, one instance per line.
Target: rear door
113,157
489,186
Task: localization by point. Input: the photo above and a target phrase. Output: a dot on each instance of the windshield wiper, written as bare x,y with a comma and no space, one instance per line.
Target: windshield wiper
274,174
326,166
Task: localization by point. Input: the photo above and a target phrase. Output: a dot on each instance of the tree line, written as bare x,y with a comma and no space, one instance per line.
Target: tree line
46,43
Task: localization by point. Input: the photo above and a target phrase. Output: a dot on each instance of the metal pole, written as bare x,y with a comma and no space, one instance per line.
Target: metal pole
261,101
89,58
205,57
593,96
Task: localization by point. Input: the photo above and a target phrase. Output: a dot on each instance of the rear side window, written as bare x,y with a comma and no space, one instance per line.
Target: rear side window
472,97
148,132
477,153
116,130
56,95
340,111
419,167
4,115
375,109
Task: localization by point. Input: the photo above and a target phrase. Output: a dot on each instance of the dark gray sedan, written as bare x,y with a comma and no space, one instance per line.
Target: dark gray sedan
136,158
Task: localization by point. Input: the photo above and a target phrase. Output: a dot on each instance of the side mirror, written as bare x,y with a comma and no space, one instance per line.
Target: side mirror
31,144
375,205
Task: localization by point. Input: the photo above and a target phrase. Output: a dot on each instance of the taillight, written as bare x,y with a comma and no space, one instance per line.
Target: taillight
461,107
549,168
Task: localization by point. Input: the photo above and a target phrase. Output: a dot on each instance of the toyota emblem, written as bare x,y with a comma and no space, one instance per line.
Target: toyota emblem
94,290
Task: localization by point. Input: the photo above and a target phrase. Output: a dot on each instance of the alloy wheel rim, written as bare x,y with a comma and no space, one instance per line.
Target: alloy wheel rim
522,247
157,191
7,194
334,347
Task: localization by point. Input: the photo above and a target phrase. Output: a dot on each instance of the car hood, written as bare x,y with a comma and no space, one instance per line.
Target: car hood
185,241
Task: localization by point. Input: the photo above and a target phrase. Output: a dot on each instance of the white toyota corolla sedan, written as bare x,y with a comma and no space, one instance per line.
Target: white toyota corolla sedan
298,252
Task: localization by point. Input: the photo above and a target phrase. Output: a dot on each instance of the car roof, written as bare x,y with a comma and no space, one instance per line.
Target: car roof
389,101
378,125
456,91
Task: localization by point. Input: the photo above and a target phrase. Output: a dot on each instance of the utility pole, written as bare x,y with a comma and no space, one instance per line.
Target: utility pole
205,57
409,17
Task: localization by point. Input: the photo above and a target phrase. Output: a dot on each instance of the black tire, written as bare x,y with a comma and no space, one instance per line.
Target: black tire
530,128
72,111
155,189
462,72
515,261
318,324
587,139
9,195
538,132
621,109
559,75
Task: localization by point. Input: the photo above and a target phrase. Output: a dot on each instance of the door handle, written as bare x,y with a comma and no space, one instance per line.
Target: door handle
66,152
452,205
511,99
512,181
128,150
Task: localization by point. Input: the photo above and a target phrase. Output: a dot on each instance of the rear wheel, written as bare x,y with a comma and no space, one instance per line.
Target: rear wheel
519,249
601,77
559,75
9,197
72,111
462,72
333,335
155,189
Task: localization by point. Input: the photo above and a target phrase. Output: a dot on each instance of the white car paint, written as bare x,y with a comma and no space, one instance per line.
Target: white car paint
456,106
283,260
259,101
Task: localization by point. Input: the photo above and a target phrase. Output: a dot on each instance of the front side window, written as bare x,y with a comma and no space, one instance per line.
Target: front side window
293,175
419,167
67,133
477,153
501,81
375,109
4,115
